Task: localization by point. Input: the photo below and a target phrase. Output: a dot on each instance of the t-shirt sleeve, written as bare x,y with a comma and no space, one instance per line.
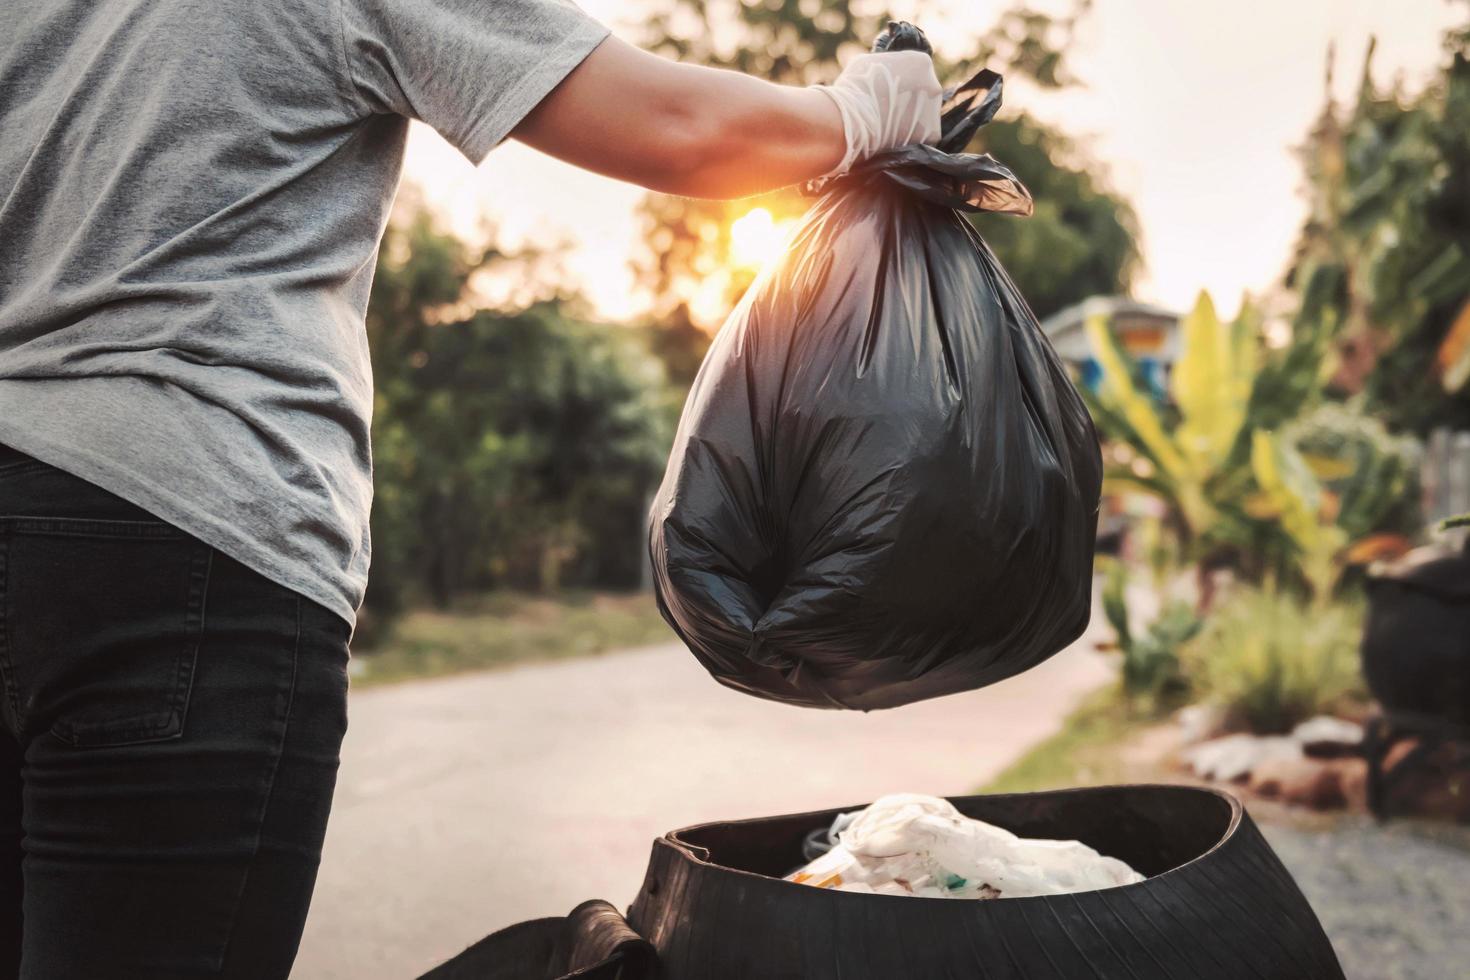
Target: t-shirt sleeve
471,69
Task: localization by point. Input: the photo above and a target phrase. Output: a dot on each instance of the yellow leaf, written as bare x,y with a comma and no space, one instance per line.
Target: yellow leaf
1261,507
1211,389
1328,468
1136,408
1296,500
1116,485
1246,339
1306,512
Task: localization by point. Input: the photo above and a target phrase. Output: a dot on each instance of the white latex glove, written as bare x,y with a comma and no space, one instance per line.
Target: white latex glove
888,99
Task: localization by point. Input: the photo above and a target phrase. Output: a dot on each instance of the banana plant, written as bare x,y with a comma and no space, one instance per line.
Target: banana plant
1311,497
1210,387
1291,495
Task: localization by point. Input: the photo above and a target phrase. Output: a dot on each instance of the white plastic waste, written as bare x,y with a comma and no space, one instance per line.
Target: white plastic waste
907,844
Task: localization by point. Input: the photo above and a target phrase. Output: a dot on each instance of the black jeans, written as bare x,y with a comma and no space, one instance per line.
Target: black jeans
169,745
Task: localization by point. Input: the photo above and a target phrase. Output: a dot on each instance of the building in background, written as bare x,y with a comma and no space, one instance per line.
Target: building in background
1150,335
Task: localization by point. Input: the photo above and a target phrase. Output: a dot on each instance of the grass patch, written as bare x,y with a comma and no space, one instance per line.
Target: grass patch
1084,753
503,629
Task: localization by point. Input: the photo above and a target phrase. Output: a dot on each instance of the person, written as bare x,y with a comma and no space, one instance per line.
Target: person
191,200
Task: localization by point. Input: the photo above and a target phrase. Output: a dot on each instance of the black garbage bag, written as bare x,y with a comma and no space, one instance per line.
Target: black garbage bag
884,487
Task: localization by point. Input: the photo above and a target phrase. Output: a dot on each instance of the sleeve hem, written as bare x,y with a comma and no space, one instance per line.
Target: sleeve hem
500,113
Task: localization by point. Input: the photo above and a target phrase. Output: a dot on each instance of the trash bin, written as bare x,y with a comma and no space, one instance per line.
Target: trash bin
592,943
1216,903
1416,641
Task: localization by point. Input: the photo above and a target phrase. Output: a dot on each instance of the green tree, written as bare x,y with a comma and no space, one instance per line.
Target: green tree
1382,266
677,341
1082,240
510,447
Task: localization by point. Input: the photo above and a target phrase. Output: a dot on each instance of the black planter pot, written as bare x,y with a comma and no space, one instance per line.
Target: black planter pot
1217,905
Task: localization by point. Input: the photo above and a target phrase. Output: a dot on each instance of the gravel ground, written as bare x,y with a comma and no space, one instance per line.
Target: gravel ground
1395,899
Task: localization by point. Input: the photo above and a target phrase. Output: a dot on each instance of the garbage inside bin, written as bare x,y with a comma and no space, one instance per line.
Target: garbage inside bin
907,844
884,486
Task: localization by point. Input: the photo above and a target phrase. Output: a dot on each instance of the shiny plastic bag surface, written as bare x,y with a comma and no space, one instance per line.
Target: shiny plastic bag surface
884,487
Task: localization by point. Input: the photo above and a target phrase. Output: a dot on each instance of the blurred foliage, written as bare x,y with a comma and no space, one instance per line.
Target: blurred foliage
511,448
504,628
1186,454
1277,491
1453,360
1267,659
1290,466
1372,473
1152,674
1271,661
1382,267
1083,239
680,344
1292,497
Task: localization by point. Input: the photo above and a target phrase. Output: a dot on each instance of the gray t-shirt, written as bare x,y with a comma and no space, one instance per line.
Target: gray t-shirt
191,198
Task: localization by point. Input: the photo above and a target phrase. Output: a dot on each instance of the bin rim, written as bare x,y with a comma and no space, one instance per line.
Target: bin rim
700,855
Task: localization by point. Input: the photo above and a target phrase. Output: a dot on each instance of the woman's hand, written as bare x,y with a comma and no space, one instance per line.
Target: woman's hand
705,132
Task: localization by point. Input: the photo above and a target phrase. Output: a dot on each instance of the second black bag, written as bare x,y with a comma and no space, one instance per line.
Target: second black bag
884,487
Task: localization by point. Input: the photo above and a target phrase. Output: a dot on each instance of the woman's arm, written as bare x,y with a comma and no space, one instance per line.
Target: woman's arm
705,132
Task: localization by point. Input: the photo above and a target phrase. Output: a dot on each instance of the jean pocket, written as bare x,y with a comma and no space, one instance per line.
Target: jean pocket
99,627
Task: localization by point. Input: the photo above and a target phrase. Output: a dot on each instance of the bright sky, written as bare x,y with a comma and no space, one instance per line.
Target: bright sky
1195,108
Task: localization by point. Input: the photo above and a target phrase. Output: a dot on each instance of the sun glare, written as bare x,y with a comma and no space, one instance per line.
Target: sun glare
756,238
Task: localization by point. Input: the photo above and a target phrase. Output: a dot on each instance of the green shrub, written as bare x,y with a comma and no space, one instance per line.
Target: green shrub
1151,672
1271,661
1372,473
1151,665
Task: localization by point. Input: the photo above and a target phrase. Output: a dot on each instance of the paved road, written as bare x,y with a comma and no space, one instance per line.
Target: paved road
469,803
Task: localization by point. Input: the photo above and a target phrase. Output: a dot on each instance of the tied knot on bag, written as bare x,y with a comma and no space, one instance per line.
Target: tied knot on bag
944,173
